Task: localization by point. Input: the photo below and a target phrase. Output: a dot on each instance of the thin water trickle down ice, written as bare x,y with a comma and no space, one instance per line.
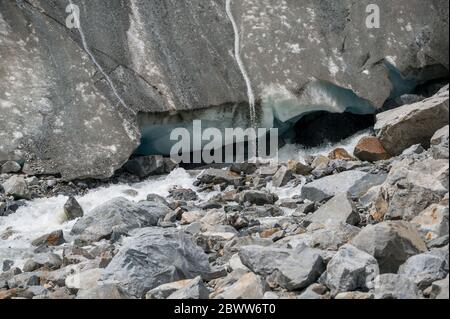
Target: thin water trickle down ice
44,215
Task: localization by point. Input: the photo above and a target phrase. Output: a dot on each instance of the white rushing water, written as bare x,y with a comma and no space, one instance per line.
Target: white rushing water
44,215
237,55
99,67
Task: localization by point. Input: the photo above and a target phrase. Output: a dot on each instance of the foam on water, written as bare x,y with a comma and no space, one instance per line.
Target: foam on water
41,216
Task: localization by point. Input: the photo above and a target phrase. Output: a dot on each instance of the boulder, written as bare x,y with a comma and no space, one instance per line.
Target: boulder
55,238
218,176
165,290
340,154
391,243
258,198
181,194
194,289
391,286
299,168
72,209
282,177
327,187
288,268
426,178
351,269
440,289
244,168
239,284
320,162
16,186
339,209
117,215
424,269
440,144
433,222
144,166
10,167
154,256
370,149
412,124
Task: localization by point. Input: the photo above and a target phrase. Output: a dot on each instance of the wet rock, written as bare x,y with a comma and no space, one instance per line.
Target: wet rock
370,149
194,289
440,144
55,238
144,166
299,168
433,222
440,289
258,198
239,285
330,186
340,154
426,179
117,214
424,269
7,265
391,286
412,124
72,209
181,194
351,269
218,176
339,209
10,167
244,168
282,177
287,268
157,199
154,256
391,243
16,186
320,162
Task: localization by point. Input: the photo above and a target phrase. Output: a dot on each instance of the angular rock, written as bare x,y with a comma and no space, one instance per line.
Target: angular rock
244,168
424,269
320,162
412,124
287,268
433,222
258,198
440,144
440,289
194,289
181,194
165,290
72,209
85,279
340,154
351,269
390,286
412,150
282,177
426,179
218,176
239,285
103,291
391,243
339,209
10,167
152,257
117,215
330,186
55,238
299,168
16,186
144,166
157,199
370,149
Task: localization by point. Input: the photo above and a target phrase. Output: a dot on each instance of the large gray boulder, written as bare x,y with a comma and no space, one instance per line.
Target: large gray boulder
292,269
327,187
351,269
412,124
424,269
117,215
16,186
339,209
165,59
391,243
154,256
391,286
426,178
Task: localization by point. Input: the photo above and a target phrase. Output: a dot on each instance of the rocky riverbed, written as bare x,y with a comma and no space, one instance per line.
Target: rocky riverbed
367,220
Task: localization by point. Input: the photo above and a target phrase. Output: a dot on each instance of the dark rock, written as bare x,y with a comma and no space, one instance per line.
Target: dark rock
72,209
258,198
370,149
55,238
244,168
181,194
10,167
144,166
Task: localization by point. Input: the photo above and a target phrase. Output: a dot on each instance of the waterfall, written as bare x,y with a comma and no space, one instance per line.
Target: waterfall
237,54
99,67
